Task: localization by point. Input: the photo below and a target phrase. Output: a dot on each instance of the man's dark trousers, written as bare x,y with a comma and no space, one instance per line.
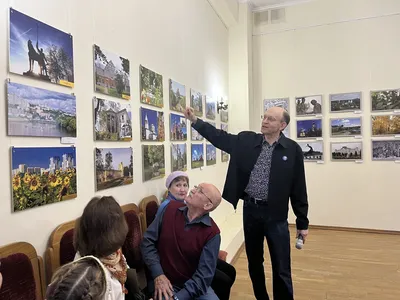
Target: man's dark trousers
257,225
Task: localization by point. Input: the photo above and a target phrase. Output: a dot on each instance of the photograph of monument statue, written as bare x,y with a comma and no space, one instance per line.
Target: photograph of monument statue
40,51
312,151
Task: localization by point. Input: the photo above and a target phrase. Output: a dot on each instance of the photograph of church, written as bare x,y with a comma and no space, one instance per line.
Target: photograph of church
152,125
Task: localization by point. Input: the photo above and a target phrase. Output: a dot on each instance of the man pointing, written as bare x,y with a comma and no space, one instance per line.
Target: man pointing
265,170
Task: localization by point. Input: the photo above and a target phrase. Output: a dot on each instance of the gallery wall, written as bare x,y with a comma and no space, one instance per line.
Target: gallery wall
326,47
173,39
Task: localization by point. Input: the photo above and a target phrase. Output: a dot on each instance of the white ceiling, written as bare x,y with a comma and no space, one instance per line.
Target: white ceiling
266,4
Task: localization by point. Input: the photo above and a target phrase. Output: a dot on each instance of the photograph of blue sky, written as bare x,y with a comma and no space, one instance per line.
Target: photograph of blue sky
38,157
346,122
151,117
118,155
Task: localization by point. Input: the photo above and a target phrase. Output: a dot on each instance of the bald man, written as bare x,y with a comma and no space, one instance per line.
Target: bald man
265,170
180,247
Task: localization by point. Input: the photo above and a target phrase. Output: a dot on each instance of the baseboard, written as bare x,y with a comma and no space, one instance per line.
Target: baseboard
351,229
237,254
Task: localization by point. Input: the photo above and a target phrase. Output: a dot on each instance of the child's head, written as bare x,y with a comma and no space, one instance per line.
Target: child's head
82,279
102,228
177,184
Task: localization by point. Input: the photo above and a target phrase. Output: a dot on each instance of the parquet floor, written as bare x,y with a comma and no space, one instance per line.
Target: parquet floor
335,265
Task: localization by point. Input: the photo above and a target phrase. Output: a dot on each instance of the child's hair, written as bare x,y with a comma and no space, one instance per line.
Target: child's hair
83,279
102,228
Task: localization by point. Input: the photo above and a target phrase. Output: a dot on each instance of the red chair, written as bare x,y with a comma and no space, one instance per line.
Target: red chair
23,273
148,207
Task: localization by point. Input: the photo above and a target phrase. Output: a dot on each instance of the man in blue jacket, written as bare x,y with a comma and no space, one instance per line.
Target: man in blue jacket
265,170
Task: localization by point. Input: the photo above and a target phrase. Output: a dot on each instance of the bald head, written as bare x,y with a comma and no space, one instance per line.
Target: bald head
212,193
275,120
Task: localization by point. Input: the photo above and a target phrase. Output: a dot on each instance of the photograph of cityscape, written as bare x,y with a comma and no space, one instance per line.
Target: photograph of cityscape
385,125
211,108
114,167
345,102
151,87
111,73
309,128
178,128
346,151
38,112
211,155
112,120
197,157
178,157
42,175
177,96
153,162
346,127
196,102
312,151
152,125
40,51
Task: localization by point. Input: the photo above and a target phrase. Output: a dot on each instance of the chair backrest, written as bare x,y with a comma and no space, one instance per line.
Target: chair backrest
148,206
61,249
23,273
131,247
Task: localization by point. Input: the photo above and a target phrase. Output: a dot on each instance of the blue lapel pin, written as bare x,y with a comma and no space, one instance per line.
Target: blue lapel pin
284,158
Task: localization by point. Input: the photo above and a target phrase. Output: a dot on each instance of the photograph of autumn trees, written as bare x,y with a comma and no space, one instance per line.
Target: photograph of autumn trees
385,125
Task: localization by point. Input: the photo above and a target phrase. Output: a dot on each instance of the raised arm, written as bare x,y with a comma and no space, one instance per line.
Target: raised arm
202,278
219,138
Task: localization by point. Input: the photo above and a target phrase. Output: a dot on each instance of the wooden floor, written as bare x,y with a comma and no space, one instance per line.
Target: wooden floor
335,265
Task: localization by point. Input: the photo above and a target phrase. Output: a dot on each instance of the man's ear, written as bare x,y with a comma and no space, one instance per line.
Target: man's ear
208,206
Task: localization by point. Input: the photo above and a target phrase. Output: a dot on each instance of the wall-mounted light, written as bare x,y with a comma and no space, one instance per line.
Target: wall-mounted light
221,105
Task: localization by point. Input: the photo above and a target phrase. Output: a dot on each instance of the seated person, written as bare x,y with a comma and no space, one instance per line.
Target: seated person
181,247
177,184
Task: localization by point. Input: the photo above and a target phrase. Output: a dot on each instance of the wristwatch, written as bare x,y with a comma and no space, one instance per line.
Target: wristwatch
175,297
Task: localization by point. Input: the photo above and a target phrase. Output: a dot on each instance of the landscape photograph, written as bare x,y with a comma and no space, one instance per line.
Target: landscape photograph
309,128
312,151
151,87
345,102
38,112
196,102
346,127
385,125
177,96
111,73
178,128
40,51
153,162
346,151
178,157
197,157
385,100
211,108
385,150
112,120
114,167
42,175
152,125
211,155
309,105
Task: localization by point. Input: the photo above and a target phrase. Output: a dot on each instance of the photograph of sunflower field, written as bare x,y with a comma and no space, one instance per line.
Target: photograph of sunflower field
42,175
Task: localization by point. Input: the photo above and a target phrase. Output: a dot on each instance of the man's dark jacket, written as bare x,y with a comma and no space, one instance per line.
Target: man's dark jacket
287,176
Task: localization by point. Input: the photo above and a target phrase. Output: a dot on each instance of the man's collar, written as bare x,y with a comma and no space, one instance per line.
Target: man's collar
205,219
282,140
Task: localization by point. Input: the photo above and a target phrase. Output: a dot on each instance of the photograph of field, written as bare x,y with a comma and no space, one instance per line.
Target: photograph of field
151,87
346,127
211,155
197,157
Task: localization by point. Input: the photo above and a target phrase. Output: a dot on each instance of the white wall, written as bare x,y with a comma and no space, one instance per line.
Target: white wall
334,46
180,39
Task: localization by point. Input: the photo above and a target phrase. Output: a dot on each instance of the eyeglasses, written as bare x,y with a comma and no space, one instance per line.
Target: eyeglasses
200,190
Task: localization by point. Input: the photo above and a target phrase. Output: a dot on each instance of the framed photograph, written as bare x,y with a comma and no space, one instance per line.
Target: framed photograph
279,102
112,120
42,175
196,102
177,96
40,51
211,155
178,157
197,157
309,105
350,151
311,128
345,102
386,150
178,128
385,100
224,156
153,162
224,116
195,136
151,87
152,125
114,167
346,127
211,108
385,125
38,112
111,74
312,151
